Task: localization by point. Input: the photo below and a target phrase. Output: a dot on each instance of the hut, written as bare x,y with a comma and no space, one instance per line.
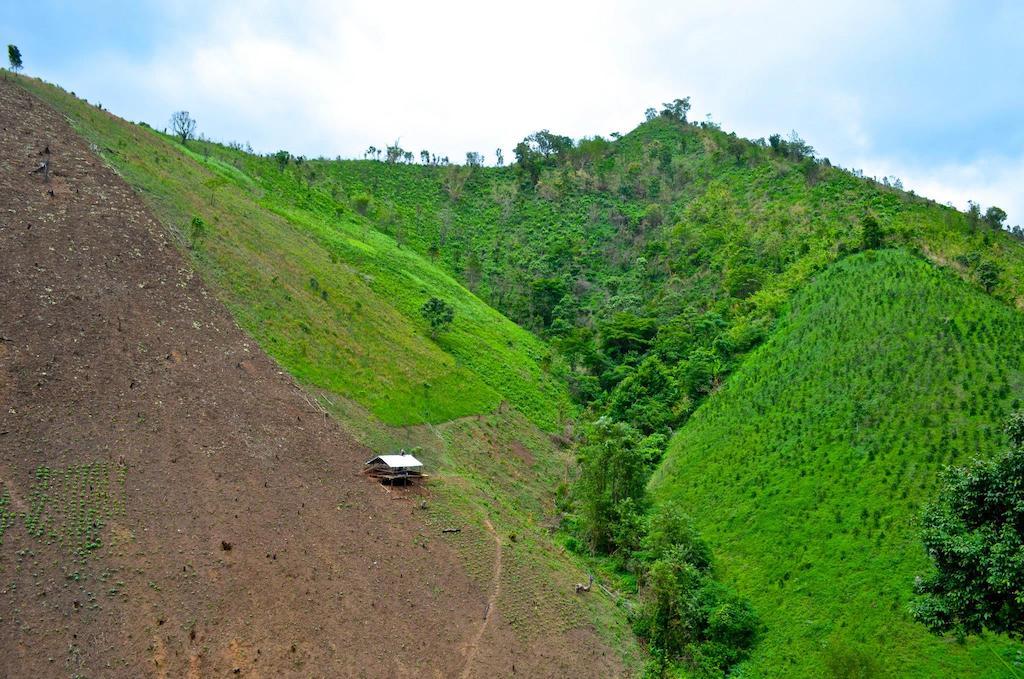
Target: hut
399,468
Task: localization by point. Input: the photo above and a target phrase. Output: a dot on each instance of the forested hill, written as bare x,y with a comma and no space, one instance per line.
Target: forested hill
668,251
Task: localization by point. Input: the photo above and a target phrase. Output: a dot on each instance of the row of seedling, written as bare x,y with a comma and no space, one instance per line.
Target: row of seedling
70,506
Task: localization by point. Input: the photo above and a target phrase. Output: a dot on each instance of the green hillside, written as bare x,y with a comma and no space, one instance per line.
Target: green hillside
676,241
677,278
335,301
808,469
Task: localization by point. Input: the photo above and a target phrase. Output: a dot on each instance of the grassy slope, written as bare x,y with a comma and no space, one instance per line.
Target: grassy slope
333,300
808,469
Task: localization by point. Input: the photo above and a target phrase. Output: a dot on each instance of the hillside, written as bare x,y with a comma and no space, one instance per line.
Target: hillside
331,299
808,469
676,241
166,484
693,284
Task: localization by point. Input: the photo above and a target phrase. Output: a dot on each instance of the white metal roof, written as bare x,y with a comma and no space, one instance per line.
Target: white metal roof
397,461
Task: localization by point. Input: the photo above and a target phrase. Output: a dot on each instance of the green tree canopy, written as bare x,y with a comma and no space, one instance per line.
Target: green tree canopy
14,56
974,534
439,314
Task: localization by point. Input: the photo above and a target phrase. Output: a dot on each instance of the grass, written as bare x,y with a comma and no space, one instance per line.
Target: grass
502,467
808,469
333,300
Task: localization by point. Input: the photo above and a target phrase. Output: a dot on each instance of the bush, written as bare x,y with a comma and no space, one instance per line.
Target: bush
196,231
361,203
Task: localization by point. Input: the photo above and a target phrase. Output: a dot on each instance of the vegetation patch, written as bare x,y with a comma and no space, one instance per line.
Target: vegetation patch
71,506
807,471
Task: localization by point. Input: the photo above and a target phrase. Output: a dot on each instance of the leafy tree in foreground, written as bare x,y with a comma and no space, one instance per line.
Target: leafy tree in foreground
975,537
438,313
183,125
14,56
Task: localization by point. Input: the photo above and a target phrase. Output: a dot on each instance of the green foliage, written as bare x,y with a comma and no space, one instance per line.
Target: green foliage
988,275
7,514
677,109
806,471
615,463
974,535
438,313
670,531
872,234
14,57
673,241
686,616
648,397
70,506
197,230
995,216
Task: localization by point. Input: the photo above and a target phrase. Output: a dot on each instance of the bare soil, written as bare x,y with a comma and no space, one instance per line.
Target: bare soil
250,544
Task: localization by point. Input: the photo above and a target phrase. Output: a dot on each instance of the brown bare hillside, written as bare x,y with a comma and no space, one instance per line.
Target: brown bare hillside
175,505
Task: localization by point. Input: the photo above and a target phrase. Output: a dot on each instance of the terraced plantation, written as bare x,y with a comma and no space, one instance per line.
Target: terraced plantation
808,470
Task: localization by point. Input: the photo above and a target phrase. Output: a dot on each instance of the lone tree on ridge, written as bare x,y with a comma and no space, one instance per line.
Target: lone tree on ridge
183,125
14,56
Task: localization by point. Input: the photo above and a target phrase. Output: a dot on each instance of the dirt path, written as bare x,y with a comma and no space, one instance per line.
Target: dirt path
492,601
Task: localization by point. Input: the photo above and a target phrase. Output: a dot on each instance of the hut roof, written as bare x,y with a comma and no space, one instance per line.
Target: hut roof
403,461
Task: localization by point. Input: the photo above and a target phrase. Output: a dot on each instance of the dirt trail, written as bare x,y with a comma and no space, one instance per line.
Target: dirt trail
492,603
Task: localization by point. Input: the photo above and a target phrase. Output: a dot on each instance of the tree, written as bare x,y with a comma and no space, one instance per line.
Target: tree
183,125
425,157
974,534
685,615
677,109
474,159
14,56
988,275
500,157
995,216
197,230
395,153
282,158
615,463
973,215
871,233
438,313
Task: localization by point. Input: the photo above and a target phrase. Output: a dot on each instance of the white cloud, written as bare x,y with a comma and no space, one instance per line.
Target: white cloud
324,78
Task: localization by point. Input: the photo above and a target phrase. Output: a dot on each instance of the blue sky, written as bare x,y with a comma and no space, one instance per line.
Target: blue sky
931,92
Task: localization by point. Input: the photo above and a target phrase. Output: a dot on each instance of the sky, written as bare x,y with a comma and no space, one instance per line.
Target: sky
930,92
